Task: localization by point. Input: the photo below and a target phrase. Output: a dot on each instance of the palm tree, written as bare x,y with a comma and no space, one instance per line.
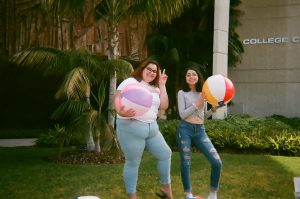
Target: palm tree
194,45
82,70
114,11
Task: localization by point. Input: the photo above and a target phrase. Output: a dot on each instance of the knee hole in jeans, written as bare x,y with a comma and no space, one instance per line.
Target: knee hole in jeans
186,149
216,155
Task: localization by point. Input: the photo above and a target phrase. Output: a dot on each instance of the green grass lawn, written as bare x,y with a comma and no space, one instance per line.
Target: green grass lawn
25,175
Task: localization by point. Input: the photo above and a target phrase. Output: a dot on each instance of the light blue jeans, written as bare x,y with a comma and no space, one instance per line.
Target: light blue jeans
188,133
134,137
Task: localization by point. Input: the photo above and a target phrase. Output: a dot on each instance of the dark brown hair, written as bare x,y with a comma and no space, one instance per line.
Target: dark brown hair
185,86
137,73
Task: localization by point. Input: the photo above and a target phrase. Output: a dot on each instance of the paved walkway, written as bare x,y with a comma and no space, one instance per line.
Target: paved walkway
17,142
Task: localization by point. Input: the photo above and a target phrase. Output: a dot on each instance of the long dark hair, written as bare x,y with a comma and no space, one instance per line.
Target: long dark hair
185,87
137,73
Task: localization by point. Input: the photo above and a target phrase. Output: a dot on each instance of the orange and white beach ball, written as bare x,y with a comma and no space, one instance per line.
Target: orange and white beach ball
219,90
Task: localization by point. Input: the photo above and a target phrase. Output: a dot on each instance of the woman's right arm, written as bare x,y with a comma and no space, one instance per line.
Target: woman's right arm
120,109
184,112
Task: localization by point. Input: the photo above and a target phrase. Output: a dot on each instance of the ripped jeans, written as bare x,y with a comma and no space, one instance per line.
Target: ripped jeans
188,133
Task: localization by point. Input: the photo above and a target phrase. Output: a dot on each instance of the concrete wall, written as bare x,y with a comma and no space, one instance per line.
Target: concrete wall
267,81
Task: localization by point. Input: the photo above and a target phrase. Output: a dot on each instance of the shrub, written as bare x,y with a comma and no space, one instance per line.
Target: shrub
276,135
58,137
285,144
168,129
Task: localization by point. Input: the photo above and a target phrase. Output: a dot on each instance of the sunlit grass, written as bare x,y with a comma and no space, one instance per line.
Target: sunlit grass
289,164
25,175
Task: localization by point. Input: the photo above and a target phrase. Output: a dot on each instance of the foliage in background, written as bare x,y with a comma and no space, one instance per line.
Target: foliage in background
275,135
195,43
175,50
83,72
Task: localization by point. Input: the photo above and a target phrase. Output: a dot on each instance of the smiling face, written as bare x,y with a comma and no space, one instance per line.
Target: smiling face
149,72
191,78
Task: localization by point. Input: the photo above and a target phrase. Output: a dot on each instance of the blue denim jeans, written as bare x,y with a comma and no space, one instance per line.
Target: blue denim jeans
134,137
188,133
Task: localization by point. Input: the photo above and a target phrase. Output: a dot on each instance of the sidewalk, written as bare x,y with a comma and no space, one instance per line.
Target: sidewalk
17,142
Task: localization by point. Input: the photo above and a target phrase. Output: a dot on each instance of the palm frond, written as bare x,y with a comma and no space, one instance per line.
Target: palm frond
47,60
109,138
53,61
82,58
108,67
235,49
235,13
79,126
157,10
100,125
107,133
68,8
114,10
101,94
76,85
70,110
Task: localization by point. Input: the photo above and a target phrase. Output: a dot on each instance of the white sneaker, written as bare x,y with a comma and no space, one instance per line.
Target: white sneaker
212,195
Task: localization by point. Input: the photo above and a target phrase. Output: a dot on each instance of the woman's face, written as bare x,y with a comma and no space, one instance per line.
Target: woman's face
149,72
191,77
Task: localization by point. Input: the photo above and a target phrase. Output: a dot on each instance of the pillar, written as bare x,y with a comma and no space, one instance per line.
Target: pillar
220,45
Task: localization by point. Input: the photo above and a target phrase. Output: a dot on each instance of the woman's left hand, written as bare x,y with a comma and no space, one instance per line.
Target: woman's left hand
215,108
163,78
164,99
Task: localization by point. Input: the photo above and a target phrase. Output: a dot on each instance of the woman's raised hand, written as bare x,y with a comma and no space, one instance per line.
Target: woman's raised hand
163,77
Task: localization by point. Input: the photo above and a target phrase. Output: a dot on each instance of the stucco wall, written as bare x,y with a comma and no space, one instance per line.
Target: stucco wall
267,81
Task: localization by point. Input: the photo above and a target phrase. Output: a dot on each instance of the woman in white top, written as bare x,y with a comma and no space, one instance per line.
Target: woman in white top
191,107
139,133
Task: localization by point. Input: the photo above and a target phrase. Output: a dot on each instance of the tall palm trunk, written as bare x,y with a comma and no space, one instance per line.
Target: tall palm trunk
112,92
113,53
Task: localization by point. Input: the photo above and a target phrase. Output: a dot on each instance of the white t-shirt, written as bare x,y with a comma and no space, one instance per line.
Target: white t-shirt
151,114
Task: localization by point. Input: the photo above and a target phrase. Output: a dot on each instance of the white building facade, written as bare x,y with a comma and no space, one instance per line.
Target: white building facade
267,82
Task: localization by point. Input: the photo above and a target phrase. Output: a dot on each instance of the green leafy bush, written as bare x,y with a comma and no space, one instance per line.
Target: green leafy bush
285,144
58,137
275,135
168,129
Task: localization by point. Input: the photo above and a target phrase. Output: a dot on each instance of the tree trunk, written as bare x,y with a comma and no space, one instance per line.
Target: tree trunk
112,92
97,143
71,36
60,22
90,145
113,53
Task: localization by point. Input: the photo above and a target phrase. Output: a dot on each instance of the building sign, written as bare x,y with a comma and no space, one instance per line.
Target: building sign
271,40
